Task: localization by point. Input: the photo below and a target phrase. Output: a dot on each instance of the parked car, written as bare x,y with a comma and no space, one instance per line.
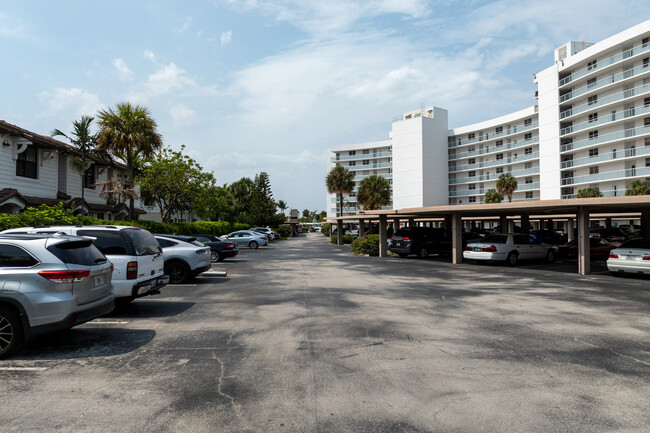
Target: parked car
267,231
135,253
421,241
628,229
598,248
551,237
612,234
221,249
49,283
632,256
247,238
184,259
317,229
510,247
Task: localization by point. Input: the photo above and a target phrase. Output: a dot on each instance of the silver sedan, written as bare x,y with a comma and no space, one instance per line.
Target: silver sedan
247,238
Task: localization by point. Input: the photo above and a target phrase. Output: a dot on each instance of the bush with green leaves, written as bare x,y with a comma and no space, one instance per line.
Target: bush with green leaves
325,229
347,239
366,245
591,191
284,231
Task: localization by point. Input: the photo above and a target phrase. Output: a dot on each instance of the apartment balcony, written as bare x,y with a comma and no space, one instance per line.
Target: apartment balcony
483,178
607,157
604,82
608,100
527,186
604,63
384,175
607,193
606,119
370,166
496,149
361,156
481,191
504,161
606,138
627,173
487,137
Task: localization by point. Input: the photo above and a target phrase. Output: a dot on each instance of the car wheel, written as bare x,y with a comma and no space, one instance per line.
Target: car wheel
177,271
214,257
253,245
550,256
423,253
220,258
403,255
12,338
512,259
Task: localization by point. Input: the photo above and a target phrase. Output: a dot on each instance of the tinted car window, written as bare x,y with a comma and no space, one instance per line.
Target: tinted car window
636,243
522,239
78,253
14,257
202,239
143,242
495,239
107,242
403,232
164,243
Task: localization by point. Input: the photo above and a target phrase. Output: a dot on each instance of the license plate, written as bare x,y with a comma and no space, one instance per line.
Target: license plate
477,249
99,280
397,244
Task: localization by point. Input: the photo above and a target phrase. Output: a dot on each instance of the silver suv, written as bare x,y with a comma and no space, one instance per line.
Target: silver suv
49,283
135,253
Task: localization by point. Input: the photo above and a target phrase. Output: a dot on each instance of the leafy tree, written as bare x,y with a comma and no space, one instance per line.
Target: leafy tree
282,205
173,181
588,192
374,192
262,206
125,131
240,194
322,216
493,196
213,204
506,185
638,187
340,181
305,214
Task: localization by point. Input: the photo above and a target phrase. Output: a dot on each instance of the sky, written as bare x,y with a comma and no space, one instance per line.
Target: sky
268,85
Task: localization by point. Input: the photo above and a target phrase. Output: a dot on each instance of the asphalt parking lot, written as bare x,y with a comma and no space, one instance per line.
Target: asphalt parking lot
302,336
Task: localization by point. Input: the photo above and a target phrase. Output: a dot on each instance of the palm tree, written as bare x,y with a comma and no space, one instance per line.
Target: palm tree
282,205
340,181
82,139
125,131
493,196
374,192
638,187
591,191
506,185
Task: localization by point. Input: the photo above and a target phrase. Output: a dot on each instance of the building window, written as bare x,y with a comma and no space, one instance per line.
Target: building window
499,170
529,194
592,100
646,102
592,65
647,162
593,134
89,177
26,163
593,117
471,174
471,148
593,170
352,152
499,156
529,180
366,151
472,199
366,162
499,142
352,163
499,130
593,152
528,136
528,151
591,83
646,61
528,165
646,121
471,136
645,42
528,122
472,186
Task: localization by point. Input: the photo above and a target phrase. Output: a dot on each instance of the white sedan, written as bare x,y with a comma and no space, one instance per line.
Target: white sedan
510,247
632,256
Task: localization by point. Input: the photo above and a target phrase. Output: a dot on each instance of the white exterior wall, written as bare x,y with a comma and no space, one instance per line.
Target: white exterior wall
549,134
45,185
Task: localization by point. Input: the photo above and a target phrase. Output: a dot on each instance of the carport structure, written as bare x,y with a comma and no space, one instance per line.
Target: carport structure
571,212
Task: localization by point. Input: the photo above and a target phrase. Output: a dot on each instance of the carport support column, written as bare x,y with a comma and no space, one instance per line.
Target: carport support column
645,224
525,224
411,222
383,227
584,264
339,232
503,222
395,224
569,230
456,238
362,227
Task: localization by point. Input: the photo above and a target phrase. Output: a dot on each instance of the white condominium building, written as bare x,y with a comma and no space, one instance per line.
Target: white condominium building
591,128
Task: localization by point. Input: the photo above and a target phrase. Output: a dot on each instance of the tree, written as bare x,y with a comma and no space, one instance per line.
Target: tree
322,216
340,181
305,214
374,192
125,131
84,140
262,206
588,192
493,196
282,205
638,187
506,185
173,181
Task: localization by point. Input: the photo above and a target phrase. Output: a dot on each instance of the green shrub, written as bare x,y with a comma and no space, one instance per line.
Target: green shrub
325,229
366,245
347,239
284,231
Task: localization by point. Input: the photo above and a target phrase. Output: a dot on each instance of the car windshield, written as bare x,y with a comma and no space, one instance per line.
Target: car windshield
78,253
636,243
143,242
495,239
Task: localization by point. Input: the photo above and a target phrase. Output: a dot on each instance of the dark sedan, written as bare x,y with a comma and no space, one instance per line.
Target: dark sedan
598,248
221,249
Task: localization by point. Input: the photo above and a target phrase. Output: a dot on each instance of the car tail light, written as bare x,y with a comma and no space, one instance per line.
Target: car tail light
64,276
132,271
230,246
490,249
406,238
112,267
613,256
468,248
646,258
392,238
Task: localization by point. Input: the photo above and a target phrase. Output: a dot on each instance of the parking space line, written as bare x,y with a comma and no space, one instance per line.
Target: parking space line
109,322
23,368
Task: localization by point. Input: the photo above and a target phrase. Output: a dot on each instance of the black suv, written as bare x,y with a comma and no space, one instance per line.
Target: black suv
421,241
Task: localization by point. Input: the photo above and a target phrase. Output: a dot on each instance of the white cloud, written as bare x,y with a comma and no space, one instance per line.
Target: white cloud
122,70
226,37
182,115
186,24
150,55
165,80
75,100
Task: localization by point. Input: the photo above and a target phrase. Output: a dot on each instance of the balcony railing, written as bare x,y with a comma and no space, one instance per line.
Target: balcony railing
607,118
385,176
481,191
606,157
361,156
625,134
370,166
496,149
639,49
480,139
607,193
608,175
625,94
511,160
483,178
604,82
